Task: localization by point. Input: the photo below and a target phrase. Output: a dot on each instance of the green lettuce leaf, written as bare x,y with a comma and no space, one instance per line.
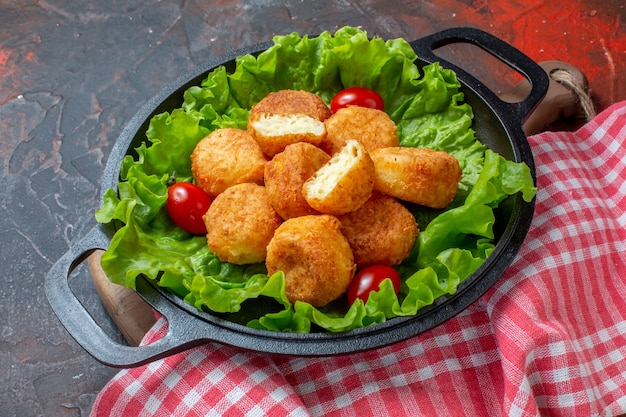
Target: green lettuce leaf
427,105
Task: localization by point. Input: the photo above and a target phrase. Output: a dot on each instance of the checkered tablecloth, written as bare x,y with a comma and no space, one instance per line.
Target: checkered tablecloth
549,339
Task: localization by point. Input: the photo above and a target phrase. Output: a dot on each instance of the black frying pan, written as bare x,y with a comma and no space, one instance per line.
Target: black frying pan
497,123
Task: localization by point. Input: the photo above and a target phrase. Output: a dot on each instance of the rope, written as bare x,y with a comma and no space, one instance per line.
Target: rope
566,79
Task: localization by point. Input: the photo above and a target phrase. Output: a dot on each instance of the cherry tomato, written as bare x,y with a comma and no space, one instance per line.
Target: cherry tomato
369,279
186,204
357,96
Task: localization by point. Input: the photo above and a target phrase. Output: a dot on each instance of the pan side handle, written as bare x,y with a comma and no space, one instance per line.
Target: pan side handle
533,72
86,331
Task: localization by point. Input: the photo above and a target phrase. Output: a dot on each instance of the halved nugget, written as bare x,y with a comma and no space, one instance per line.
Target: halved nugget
314,256
285,117
344,183
293,102
381,231
240,223
422,176
372,127
285,175
227,157
273,132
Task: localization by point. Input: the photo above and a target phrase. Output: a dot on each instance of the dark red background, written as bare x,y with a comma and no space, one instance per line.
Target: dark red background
72,73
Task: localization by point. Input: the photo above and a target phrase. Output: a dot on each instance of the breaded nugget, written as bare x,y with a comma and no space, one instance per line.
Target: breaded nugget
344,183
227,157
382,231
372,127
419,175
315,257
286,117
285,175
293,102
240,223
273,132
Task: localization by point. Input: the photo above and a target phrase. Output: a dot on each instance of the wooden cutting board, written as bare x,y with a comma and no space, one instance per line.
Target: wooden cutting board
134,317
130,313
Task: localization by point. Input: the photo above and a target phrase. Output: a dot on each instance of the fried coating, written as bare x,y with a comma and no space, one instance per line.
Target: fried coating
382,231
227,157
315,257
293,102
285,175
344,183
372,127
422,176
240,223
285,117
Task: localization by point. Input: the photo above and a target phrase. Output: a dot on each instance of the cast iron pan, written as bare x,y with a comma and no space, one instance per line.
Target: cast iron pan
497,123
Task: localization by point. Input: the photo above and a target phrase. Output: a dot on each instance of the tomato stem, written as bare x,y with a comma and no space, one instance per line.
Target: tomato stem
172,179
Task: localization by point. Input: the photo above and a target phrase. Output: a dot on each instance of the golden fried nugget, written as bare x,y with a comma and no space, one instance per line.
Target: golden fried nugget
422,176
292,102
315,257
382,231
344,183
240,223
285,175
373,128
227,157
273,132
285,117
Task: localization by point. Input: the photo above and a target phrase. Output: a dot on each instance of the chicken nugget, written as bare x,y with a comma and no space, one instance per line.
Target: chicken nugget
422,176
285,175
240,223
285,117
273,132
372,127
227,157
382,231
344,183
314,256
293,102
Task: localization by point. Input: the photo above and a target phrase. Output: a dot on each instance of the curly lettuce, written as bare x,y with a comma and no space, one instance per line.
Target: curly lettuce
427,106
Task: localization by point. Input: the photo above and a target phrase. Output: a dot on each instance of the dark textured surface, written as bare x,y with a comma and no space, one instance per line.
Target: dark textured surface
72,73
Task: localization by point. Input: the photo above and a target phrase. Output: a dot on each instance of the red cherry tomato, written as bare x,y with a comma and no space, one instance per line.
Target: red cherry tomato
186,204
357,96
369,279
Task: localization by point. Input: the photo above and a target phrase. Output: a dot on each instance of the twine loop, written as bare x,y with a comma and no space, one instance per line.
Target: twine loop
567,79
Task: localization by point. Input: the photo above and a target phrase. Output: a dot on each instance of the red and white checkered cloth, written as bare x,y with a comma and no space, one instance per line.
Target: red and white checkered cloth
548,339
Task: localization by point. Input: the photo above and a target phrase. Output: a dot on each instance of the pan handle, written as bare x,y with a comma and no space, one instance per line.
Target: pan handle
81,325
536,75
